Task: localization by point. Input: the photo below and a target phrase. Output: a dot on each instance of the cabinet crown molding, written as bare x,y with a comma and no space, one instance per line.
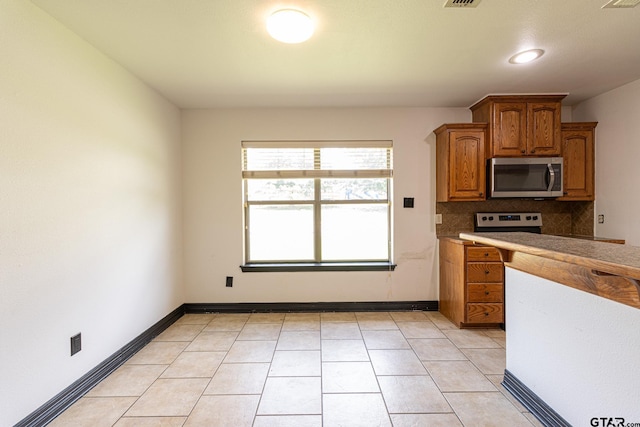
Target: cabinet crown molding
519,98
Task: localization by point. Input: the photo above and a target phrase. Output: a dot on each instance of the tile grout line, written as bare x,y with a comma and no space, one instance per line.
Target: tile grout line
255,416
210,380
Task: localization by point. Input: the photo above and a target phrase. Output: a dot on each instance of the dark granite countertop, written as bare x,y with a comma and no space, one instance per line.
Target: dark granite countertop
592,238
615,259
457,239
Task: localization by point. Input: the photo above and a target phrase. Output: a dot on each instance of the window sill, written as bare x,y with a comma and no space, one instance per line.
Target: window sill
318,266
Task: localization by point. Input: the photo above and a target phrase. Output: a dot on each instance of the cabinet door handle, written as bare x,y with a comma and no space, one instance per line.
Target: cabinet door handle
533,151
522,151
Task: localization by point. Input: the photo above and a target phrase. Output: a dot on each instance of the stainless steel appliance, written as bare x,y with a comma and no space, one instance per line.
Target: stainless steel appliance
525,177
508,221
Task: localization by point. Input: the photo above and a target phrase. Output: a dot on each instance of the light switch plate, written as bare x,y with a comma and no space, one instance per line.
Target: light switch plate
438,219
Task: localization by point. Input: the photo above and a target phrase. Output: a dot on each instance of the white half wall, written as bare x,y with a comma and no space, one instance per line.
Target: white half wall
90,235
213,211
617,153
576,351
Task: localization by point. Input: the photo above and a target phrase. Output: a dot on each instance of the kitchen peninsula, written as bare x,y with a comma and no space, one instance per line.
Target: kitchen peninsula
573,325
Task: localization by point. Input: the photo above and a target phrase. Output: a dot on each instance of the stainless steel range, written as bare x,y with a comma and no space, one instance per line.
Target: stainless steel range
508,221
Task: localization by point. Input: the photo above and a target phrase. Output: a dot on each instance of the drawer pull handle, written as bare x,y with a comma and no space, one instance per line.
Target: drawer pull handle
486,292
486,254
486,314
486,272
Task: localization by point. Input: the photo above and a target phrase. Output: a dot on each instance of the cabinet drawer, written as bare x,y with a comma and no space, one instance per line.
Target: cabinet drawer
484,253
485,313
480,272
485,292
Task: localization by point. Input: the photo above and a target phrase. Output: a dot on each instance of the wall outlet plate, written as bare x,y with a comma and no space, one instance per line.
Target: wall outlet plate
229,282
438,219
408,202
76,343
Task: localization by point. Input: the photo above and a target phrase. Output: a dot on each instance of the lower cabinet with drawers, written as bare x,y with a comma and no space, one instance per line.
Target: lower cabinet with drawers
471,284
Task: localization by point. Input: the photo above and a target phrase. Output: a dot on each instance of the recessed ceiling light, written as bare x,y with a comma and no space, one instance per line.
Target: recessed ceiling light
526,56
290,26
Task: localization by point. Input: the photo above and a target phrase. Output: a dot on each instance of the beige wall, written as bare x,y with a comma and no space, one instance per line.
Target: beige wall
213,203
90,236
617,158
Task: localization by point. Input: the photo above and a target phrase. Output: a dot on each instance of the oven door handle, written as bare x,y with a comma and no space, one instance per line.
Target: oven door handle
552,176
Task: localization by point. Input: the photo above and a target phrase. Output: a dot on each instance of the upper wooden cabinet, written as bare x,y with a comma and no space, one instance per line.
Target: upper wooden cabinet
578,158
460,162
521,125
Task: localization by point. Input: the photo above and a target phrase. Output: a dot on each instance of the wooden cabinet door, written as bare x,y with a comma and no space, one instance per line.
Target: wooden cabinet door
578,158
460,162
543,129
467,173
521,125
509,129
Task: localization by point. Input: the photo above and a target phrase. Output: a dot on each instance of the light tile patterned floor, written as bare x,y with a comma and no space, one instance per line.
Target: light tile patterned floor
308,369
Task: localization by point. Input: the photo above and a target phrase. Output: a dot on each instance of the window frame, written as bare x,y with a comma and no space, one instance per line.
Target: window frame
317,203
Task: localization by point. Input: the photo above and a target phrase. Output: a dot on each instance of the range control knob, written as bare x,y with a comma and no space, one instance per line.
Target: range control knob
535,217
484,218
490,218
529,218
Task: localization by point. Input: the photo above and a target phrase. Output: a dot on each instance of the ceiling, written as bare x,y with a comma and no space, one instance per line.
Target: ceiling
365,53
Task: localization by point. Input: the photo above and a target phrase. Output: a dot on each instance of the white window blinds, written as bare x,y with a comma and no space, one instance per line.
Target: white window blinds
317,159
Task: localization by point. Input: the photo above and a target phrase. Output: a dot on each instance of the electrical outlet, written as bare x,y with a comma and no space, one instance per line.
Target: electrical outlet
438,218
76,343
601,219
408,202
229,282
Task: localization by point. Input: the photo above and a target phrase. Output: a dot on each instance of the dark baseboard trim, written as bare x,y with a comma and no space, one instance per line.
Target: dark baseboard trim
311,306
543,412
63,400
67,397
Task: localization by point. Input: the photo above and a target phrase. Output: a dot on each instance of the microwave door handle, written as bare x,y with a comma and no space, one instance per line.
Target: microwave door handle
552,176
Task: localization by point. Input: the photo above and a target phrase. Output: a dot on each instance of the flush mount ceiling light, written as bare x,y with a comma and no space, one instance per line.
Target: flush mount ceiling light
526,56
290,26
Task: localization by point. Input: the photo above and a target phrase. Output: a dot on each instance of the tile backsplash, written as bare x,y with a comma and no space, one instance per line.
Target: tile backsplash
557,217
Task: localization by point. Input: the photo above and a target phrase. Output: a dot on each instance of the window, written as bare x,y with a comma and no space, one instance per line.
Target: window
317,201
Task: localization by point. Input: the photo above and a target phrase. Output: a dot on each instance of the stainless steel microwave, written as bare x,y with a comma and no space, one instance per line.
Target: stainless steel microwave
530,177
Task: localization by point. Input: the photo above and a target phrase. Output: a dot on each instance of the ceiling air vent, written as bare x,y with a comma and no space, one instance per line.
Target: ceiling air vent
619,4
464,3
